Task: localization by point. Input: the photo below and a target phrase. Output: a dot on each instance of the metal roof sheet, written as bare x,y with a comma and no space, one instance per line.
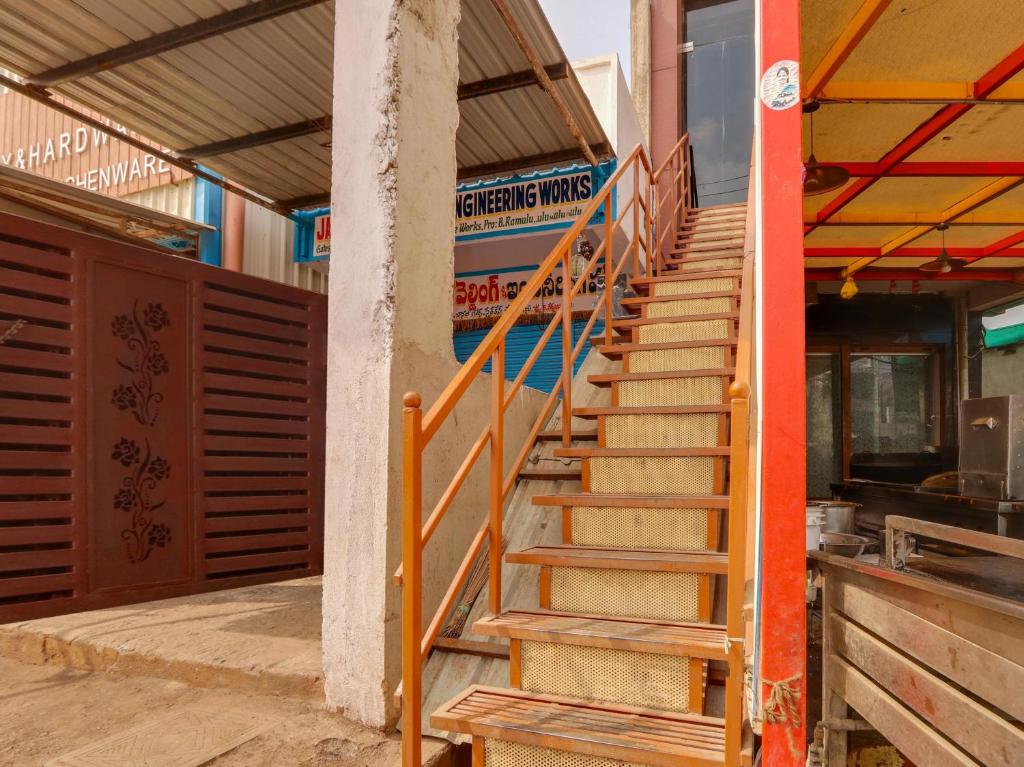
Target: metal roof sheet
277,72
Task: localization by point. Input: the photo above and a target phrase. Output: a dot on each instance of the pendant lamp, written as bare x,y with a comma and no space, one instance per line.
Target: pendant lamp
819,178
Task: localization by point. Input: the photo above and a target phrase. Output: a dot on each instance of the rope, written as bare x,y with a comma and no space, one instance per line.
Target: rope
12,331
783,707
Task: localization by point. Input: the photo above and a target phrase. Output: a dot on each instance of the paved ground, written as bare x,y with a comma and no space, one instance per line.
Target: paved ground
259,638
46,712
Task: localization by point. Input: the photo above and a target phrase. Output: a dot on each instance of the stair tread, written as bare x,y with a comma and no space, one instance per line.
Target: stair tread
596,412
640,452
622,559
553,436
703,640
625,733
643,282
691,256
617,350
634,501
606,379
637,321
567,474
642,300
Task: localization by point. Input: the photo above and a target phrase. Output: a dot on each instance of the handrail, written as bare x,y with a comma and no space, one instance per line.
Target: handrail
742,460
640,256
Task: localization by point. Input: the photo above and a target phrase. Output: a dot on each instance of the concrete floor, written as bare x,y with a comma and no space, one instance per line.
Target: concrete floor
261,638
73,681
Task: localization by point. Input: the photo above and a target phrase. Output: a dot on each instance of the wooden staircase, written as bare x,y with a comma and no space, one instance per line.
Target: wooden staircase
611,668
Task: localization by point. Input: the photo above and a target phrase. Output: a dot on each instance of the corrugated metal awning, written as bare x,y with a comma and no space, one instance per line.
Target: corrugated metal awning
245,88
100,213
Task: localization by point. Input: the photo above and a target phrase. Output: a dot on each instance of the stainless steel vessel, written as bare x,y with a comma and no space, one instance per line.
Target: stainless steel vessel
992,447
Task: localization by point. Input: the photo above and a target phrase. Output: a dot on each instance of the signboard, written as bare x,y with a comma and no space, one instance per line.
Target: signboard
538,202
488,293
322,237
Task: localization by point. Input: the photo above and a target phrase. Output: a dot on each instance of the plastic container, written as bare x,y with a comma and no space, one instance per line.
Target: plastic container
815,523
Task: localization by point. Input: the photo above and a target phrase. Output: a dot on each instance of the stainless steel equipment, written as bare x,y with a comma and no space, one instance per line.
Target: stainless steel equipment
992,447
839,516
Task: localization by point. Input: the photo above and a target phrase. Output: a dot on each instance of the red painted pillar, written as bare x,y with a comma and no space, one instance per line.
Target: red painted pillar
666,77
783,484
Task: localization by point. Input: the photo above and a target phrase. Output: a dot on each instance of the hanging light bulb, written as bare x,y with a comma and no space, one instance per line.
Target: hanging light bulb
849,289
819,178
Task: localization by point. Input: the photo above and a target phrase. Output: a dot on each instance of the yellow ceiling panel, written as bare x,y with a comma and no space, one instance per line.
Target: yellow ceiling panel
936,41
827,263
914,195
816,202
1009,206
899,262
984,134
853,236
821,22
861,132
966,236
997,263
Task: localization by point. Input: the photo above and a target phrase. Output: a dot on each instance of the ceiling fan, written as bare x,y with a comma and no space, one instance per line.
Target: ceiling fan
819,178
944,264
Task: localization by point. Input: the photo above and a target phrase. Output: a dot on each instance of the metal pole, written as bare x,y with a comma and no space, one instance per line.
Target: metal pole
412,583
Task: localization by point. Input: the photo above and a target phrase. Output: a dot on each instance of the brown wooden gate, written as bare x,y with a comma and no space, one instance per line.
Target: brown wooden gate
161,425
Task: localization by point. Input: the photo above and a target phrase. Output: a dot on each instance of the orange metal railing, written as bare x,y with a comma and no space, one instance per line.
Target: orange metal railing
652,211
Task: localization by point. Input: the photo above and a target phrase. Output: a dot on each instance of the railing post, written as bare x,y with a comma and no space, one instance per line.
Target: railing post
609,265
497,497
637,197
681,202
739,394
648,220
566,349
412,583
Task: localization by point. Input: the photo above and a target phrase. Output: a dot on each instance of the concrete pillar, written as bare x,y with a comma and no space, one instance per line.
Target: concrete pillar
640,65
666,76
395,82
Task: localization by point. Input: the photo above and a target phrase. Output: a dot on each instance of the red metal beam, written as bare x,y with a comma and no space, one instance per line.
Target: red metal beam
783,667
933,169
925,132
912,275
1005,250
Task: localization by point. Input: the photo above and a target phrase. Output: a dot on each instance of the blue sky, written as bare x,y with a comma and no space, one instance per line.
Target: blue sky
591,28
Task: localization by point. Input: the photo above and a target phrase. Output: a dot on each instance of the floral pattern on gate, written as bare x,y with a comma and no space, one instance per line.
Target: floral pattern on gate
147,362
143,533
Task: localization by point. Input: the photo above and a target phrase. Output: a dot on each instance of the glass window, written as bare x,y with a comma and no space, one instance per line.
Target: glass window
891,403
824,424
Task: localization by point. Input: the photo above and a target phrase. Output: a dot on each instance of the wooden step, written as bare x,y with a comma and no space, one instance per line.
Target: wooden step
679,257
640,452
699,640
641,284
563,474
638,321
708,562
634,501
689,226
722,249
577,436
614,351
607,379
597,412
639,301
599,730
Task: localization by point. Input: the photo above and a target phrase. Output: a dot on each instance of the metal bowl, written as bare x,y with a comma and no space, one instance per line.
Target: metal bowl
844,544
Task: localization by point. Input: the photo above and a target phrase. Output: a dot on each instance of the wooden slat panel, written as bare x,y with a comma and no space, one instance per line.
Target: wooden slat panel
226,503
977,669
241,543
17,511
255,386
256,405
35,384
251,484
31,358
35,485
256,561
281,444
267,309
912,736
36,435
36,283
248,463
256,345
36,559
37,258
240,364
34,459
35,333
36,584
958,717
256,522
39,409
34,534
249,424
31,308
212,318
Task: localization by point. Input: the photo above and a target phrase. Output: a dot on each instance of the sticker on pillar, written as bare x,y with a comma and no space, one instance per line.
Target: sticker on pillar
780,85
